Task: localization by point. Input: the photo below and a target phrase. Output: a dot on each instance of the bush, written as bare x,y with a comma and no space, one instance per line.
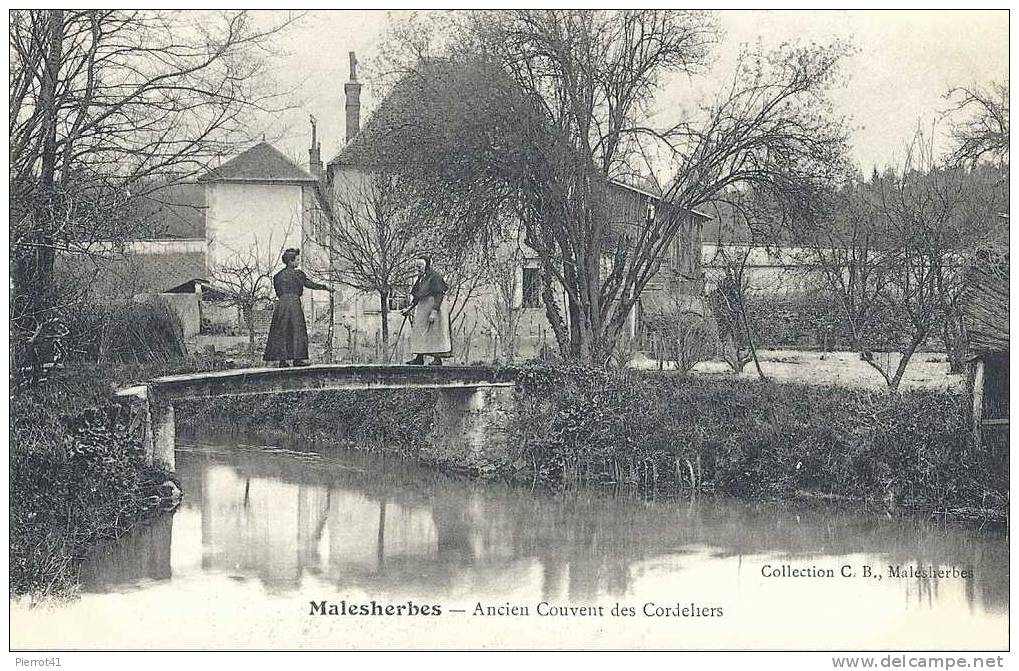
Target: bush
75,480
813,320
749,439
96,333
127,331
683,340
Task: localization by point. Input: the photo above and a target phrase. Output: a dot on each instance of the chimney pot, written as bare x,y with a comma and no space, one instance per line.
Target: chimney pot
315,150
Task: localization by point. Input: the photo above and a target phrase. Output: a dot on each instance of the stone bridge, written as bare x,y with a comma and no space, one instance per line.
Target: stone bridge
469,402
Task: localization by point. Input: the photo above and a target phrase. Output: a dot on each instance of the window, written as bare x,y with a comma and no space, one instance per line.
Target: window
531,296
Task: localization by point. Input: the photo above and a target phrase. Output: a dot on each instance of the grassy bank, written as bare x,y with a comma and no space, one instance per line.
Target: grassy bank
758,440
748,439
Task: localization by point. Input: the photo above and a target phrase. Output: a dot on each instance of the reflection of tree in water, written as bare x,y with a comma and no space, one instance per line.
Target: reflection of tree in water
392,526
143,554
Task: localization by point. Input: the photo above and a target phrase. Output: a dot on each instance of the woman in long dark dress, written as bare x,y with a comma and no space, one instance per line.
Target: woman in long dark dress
288,333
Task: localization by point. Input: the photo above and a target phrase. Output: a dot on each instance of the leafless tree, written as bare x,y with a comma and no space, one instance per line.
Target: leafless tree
467,271
109,104
502,312
891,252
731,305
981,129
592,76
849,247
371,239
546,107
245,278
921,208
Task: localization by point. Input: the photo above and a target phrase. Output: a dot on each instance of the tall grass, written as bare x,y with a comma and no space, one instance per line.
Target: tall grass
754,439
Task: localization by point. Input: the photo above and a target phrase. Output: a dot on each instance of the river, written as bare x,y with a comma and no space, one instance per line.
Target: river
266,532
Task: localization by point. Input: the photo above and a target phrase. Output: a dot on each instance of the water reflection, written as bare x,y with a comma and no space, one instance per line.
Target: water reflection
263,531
142,555
385,526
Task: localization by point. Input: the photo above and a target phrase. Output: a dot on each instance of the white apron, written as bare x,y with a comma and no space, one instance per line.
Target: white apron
430,337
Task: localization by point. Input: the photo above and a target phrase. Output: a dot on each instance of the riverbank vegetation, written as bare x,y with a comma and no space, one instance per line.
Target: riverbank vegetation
78,478
757,439
78,475
669,433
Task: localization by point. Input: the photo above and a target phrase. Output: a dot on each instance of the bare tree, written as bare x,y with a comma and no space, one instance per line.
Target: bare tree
466,270
591,76
890,251
981,132
849,247
981,158
920,207
245,278
539,110
730,303
502,312
109,104
371,239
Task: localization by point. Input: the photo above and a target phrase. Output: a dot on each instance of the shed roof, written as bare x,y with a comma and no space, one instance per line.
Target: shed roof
126,275
985,302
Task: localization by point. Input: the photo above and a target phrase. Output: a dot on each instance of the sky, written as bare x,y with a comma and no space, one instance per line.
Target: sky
904,63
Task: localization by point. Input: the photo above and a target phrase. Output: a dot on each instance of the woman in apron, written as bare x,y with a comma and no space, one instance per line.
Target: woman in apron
429,316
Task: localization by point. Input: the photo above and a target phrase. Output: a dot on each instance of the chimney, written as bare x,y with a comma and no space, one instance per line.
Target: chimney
352,90
315,151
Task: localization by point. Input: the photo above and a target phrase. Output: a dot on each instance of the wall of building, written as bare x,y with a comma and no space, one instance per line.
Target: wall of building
258,221
188,310
252,218
314,256
769,270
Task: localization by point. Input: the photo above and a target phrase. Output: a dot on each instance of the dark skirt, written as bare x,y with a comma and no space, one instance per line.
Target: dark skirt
288,333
